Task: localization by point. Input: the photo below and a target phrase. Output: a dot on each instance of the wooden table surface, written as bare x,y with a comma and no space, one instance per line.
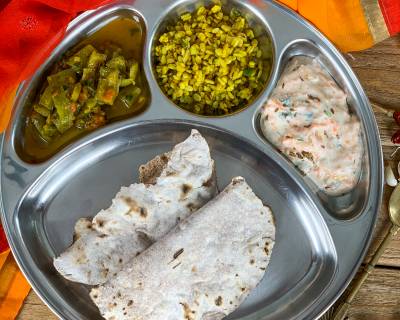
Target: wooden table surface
378,69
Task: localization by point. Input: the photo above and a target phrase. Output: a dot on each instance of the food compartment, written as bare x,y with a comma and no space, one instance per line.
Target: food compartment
94,77
212,58
329,149
46,216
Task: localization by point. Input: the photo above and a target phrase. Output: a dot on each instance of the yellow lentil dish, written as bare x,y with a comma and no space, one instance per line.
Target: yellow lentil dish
210,63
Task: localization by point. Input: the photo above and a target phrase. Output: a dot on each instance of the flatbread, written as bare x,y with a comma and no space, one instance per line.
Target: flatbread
202,270
141,213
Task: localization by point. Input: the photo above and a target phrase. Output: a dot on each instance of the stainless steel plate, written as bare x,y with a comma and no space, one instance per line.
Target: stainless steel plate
321,240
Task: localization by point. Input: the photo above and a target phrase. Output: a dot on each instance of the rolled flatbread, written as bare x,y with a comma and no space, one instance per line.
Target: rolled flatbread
175,184
202,270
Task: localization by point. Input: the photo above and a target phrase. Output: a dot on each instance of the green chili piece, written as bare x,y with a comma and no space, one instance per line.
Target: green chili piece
88,75
108,88
126,82
63,78
249,72
133,71
90,106
41,110
46,98
76,92
129,95
104,71
49,130
80,59
117,62
96,59
65,115
46,131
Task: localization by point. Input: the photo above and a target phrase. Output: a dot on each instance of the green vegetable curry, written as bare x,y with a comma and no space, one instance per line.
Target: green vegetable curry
83,87
98,81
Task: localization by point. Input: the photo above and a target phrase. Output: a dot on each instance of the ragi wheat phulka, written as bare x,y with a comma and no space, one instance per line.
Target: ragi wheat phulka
203,269
141,213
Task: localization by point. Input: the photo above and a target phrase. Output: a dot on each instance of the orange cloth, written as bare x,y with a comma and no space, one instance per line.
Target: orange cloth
6,100
13,287
343,22
31,28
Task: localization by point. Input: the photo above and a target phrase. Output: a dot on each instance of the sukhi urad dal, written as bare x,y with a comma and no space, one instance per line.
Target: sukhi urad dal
210,62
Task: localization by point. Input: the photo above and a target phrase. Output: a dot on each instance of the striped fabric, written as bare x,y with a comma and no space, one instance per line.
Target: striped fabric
351,24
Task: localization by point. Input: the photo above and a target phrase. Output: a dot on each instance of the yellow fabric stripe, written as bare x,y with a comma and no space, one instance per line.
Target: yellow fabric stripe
343,22
375,20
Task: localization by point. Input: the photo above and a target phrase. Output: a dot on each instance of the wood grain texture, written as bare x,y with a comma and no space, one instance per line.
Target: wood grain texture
34,309
381,82
379,298
378,69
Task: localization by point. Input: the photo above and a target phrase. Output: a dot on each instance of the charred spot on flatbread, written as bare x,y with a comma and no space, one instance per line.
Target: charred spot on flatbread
100,223
218,301
145,239
209,182
134,207
178,253
131,203
266,248
186,188
105,272
187,312
191,206
143,212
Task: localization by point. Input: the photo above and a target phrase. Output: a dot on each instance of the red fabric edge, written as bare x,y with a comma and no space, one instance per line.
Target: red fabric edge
3,240
391,13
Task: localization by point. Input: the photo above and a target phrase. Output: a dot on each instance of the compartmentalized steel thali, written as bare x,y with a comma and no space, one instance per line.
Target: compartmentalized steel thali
321,240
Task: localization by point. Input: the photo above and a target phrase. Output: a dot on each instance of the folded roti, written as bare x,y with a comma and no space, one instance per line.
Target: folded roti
174,185
202,270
